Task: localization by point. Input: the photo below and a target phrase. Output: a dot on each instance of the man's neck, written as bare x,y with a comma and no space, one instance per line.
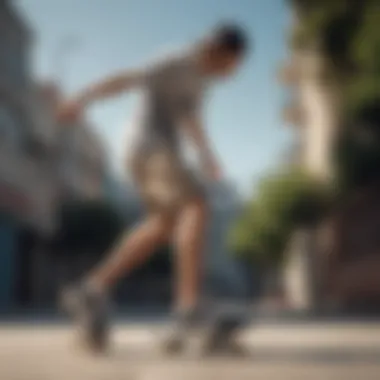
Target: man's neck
203,62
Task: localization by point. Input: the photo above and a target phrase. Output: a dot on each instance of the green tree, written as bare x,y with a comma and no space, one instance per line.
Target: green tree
285,201
347,34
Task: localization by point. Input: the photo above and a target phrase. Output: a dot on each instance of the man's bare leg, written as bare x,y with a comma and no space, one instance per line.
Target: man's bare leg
133,249
87,303
189,241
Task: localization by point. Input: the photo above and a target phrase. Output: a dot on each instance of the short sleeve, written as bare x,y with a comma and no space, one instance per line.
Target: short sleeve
178,84
161,72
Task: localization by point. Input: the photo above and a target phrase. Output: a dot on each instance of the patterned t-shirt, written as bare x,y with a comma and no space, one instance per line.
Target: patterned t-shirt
173,90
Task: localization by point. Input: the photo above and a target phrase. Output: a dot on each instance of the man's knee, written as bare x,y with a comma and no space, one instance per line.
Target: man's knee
201,204
198,205
163,223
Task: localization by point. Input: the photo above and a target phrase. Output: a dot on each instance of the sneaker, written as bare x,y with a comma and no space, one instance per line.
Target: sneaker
222,336
181,330
89,310
174,343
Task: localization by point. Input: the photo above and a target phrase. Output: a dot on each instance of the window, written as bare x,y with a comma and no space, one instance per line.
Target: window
16,64
35,148
9,127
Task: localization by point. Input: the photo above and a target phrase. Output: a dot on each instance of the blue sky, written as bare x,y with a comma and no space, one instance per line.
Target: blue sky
243,117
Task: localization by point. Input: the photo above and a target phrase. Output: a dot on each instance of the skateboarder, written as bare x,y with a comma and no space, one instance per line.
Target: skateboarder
173,96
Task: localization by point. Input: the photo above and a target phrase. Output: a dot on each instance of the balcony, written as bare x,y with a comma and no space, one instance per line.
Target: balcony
42,127
288,74
78,182
294,154
25,191
294,114
18,99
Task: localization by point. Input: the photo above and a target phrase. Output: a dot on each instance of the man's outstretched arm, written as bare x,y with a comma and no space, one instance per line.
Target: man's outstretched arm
109,87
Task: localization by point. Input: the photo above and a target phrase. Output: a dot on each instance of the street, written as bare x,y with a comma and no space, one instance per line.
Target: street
317,351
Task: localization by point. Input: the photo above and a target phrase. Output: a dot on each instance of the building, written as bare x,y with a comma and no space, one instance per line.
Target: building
27,191
79,160
313,112
41,163
312,109
336,262
82,162
313,106
79,169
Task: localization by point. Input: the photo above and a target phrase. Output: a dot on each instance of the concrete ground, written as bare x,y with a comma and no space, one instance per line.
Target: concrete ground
310,351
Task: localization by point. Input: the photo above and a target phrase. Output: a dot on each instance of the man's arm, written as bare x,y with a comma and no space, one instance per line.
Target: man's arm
111,86
194,130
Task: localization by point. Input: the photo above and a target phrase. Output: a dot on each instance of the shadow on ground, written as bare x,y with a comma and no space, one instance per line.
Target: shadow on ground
296,356
317,356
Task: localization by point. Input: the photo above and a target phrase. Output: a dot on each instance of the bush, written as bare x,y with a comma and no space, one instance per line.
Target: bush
347,34
285,201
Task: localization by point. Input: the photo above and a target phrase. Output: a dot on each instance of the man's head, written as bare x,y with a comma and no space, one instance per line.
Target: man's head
224,49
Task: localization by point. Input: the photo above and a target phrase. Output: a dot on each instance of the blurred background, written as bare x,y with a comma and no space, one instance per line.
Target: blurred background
294,228
296,223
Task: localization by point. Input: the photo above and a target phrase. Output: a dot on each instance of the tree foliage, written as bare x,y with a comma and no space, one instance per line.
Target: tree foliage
347,33
284,201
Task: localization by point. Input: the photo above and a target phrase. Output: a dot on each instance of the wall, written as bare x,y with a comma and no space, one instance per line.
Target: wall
8,241
82,162
352,252
27,186
26,191
320,106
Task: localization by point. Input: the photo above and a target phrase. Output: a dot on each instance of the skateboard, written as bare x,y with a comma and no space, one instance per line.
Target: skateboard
220,336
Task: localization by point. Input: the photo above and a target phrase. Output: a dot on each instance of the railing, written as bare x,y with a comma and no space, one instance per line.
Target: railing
42,125
288,74
294,114
26,190
82,183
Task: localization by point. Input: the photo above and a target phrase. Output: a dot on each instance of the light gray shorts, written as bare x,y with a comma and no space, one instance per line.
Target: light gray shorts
163,180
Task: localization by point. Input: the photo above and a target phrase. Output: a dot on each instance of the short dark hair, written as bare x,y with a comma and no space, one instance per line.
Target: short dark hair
230,37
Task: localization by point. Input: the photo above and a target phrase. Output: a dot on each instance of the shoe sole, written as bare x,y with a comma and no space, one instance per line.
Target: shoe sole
89,338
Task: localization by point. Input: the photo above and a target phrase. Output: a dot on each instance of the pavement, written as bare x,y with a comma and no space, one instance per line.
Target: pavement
316,350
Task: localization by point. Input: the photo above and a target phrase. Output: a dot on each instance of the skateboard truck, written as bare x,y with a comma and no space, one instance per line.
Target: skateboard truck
222,335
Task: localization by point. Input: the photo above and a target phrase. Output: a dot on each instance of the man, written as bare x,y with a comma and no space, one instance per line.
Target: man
173,92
